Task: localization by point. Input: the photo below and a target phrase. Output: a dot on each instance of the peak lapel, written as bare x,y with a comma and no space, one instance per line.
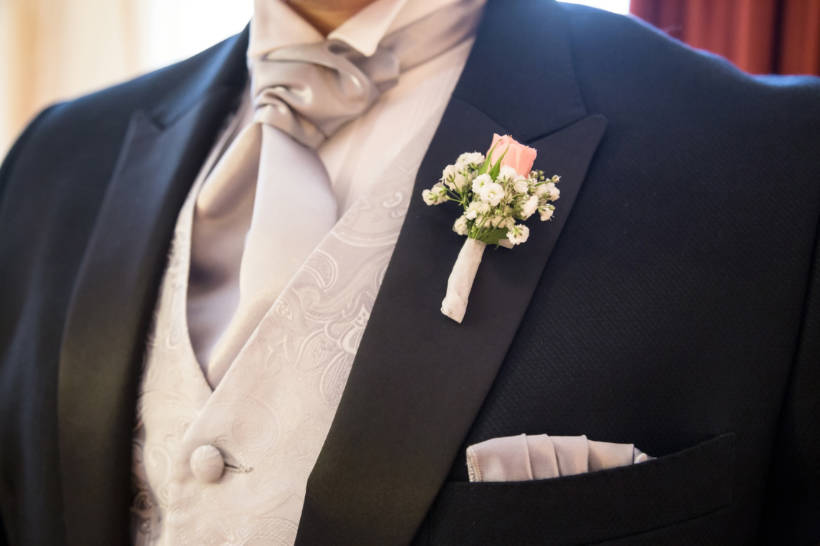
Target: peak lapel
419,378
113,298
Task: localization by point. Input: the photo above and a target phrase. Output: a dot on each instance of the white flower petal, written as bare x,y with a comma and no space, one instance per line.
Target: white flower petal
521,185
529,207
491,193
481,181
460,225
546,213
518,234
507,173
469,160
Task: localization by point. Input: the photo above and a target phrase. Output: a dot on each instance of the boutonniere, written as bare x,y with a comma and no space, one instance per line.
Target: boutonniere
496,193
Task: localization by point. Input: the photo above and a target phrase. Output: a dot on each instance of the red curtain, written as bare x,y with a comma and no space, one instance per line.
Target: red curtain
759,36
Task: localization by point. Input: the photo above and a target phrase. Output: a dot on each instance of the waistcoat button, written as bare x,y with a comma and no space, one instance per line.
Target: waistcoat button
207,463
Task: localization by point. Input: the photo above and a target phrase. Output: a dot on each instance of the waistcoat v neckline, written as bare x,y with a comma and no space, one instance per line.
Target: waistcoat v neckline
270,413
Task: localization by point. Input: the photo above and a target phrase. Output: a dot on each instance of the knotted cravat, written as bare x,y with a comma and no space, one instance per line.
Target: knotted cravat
269,200
309,91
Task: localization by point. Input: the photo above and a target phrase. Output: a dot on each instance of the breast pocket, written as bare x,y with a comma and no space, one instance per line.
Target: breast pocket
589,507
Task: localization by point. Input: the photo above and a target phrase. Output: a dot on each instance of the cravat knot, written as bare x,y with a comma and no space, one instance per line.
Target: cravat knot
311,90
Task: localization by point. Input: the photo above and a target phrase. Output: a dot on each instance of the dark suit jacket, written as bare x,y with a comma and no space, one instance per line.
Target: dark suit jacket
673,302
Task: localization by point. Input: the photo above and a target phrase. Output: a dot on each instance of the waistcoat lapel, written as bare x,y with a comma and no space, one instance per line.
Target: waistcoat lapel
419,379
114,295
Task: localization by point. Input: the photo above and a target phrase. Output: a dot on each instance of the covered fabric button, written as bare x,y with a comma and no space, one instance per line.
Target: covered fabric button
207,463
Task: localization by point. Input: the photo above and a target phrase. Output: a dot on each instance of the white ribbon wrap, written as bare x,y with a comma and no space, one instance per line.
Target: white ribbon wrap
461,279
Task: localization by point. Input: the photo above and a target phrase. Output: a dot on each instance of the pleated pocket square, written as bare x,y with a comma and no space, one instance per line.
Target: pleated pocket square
536,457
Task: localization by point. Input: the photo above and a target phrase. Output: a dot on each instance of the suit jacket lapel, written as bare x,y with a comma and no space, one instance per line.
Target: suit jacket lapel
115,292
419,379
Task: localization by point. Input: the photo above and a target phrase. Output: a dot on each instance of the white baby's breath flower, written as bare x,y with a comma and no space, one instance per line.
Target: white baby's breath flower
507,173
447,176
491,193
481,181
521,185
435,195
460,182
476,208
546,212
469,159
460,225
553,192
541,190
529,207
555,178
518,234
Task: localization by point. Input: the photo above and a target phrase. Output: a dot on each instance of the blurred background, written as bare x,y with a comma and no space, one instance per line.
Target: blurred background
53,50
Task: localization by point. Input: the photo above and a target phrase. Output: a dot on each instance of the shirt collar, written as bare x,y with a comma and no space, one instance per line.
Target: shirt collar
275,24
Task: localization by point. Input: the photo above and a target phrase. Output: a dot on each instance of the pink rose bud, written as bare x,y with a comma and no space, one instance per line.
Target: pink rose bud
519,157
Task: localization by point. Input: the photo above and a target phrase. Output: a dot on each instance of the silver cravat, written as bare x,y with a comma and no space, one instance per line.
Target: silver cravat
269,200
309,91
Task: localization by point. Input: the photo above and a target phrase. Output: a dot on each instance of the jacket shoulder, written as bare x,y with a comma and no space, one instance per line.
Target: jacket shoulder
638,61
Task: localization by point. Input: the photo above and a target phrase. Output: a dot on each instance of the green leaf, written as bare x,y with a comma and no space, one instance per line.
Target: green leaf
490,236
497,167
486,164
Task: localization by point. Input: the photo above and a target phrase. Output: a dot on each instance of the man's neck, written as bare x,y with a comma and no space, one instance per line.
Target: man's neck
326,15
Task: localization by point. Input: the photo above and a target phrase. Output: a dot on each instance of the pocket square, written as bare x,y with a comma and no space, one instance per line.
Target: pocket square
535,457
